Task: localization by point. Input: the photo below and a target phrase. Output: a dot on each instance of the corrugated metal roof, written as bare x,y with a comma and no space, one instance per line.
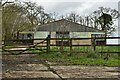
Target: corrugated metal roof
65,25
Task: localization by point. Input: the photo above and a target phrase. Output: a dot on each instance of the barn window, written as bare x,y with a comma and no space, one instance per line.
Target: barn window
100,41
29,36
99,36
62,34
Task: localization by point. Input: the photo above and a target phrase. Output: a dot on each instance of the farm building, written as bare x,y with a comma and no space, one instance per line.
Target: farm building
65,29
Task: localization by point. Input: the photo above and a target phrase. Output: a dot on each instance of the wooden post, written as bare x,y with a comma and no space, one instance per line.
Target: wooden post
48,44
70,45
94,45
18,35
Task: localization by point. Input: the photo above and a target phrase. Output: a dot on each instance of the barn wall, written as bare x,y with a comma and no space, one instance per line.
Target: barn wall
80,34
24,35
41,34
81,42
83,34
44,34
53,34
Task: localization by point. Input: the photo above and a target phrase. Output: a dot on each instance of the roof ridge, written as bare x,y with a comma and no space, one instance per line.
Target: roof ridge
81,24
67,21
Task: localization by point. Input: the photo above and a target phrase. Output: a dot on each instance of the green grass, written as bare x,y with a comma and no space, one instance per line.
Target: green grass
108,48
83,59
37,49
86,49
79,49
89,58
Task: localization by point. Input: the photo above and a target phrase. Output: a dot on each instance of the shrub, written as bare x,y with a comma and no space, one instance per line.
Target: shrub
92,54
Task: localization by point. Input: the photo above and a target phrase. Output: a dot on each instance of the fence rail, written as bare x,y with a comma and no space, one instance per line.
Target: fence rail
67,42
63,38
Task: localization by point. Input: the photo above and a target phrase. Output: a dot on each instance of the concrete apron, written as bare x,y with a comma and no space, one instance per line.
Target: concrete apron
30,71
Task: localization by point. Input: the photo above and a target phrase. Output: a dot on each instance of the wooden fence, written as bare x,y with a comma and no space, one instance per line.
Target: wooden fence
68,42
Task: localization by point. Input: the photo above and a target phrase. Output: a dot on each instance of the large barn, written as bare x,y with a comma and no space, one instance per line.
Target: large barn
67,29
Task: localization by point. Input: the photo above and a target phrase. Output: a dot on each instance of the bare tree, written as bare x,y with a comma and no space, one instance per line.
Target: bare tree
53,17
73,17
13,20
0,22
4,2
32,12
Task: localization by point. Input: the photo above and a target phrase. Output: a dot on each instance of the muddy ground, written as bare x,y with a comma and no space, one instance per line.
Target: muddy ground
30,66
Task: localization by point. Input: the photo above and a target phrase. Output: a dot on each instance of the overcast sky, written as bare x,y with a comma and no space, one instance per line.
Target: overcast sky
82,7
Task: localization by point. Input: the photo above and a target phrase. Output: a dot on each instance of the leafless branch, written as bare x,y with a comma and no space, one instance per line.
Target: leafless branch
6,2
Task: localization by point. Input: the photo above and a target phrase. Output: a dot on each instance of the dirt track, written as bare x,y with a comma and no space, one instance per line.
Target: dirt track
30,66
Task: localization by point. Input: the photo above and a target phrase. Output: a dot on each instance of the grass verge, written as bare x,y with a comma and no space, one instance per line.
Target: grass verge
83,59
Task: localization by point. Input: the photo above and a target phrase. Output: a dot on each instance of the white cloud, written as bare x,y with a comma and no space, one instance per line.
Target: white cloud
86,6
